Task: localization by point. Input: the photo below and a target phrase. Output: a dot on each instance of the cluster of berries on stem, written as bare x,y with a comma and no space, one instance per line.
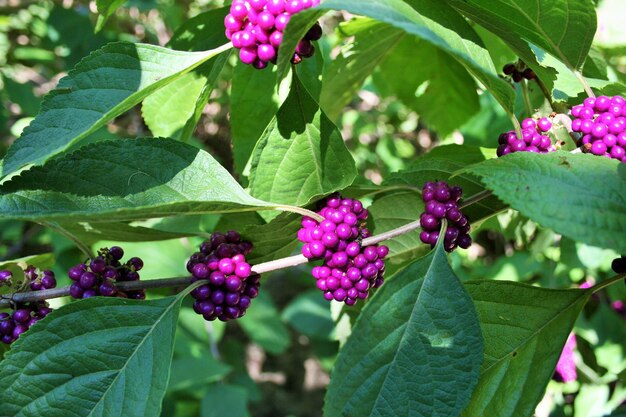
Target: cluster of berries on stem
534,138
518,74
602,123
349,270
25,315
441,202
99,276
256,28
229,284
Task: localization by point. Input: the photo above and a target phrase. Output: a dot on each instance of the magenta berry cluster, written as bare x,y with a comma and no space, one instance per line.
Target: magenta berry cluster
602,123
256,28
98,277
349,270
534,138
441,202
229,284
25,315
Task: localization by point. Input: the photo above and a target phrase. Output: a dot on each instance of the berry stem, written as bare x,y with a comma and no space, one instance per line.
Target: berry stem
607,282
283,263
516,125
83,248
526,97
584,83
547,94
300,210
475,198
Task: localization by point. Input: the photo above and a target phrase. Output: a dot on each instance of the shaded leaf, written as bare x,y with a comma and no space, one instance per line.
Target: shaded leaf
415,349
125,180
88,358
262,323
522,326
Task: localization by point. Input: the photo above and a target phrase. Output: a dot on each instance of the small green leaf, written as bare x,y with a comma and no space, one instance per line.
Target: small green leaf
345,74
190,372
439,89
106,8
262,323
125,180
415,349
522,326
102,86
95,357
273,240
564,28
579,196
167,110
301,154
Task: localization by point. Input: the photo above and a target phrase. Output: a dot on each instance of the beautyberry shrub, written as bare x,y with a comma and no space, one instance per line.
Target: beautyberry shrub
602,123
441,202
349,270
98,277
229,284
256,28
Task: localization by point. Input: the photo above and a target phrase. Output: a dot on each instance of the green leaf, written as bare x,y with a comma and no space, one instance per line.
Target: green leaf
301,154
439,89
309,314
201,32
579,196
95,357
262,323
90,232
102,86
167,110
564,28
343,77
273,240
253,104
106,8
522,326
415,349
224,400
433,22
125,180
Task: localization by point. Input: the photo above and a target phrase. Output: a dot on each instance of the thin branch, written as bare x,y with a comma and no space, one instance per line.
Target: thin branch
526,97
584,83
83,248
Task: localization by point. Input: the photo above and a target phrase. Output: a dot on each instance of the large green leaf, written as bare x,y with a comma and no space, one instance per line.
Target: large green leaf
580,196
564,28
415,349
224,400
102,86
125,180
372,42
434,22
524,329
301,154
96,357
438,87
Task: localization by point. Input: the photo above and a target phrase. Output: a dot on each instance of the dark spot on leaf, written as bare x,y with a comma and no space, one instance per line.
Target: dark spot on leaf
514,354
564,162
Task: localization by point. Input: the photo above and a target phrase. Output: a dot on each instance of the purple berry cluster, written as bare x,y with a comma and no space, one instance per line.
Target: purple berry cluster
516,74
256,28
533,138
230,284
25,315
349,270
602,123
441,201
100,275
